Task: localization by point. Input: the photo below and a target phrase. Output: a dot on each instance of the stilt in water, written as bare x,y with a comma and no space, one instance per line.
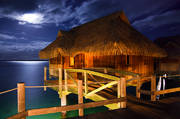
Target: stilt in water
63,103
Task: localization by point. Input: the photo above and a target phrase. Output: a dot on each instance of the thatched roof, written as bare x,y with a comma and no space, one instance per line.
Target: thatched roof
109,35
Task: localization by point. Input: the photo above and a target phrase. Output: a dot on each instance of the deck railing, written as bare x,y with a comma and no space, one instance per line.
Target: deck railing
23,113
63,87
154,92
83,84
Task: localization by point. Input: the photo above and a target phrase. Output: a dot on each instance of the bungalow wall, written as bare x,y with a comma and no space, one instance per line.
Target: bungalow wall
138,64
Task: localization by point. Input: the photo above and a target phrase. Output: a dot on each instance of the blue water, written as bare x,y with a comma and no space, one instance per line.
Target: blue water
31,73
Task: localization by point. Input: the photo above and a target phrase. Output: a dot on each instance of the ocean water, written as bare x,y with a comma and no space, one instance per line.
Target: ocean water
31,73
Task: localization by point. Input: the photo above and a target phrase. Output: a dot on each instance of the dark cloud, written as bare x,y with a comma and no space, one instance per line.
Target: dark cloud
154,21
6,36
163,31
18,5
172,6
9,42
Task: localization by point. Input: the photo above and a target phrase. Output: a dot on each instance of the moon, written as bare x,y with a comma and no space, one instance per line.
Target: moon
33,18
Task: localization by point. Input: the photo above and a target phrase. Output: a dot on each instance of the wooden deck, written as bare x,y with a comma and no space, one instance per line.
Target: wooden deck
168,108
105,94
109,90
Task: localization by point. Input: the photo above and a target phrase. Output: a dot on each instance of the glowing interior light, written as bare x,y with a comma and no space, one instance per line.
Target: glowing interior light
34,18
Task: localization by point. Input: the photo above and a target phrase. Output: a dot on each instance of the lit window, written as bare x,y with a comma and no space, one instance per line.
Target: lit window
71,61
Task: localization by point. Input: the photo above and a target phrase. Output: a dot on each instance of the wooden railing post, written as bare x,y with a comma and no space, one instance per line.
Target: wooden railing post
21,97
153,88
119,92
45,78
105,70
85,82
61,94
80,96
63,103
65,81
60,83
123,91
138,87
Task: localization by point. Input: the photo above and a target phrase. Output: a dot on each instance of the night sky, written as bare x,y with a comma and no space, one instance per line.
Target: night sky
27,26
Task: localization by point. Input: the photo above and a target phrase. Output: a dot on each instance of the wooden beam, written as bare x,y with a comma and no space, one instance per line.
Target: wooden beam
45,77
70,77
95,79
65,80
138,87
34,112
94,73
21,97
85,83
117,71
167,91
123,91
80,97
103,75
119,92
63,103
105,70
153,88
60,83
20,115
99,82
101,88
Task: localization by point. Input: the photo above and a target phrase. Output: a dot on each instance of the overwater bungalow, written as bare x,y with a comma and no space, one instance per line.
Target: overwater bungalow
109,42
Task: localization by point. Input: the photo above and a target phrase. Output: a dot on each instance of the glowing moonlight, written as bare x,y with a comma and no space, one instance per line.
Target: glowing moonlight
33,18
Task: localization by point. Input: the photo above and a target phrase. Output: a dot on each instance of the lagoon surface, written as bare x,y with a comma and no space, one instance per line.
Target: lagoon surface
31,73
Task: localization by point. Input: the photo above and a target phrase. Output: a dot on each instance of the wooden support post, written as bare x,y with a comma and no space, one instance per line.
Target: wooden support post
105,70
119,92
80,96
85,82
63,103
65,81
45,77
21,98
153,88
60,83
123,91
138,87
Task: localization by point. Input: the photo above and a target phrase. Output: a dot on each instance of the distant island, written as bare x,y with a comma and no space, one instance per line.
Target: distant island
171,44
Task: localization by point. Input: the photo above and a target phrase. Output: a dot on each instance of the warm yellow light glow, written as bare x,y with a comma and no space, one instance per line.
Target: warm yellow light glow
71,61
